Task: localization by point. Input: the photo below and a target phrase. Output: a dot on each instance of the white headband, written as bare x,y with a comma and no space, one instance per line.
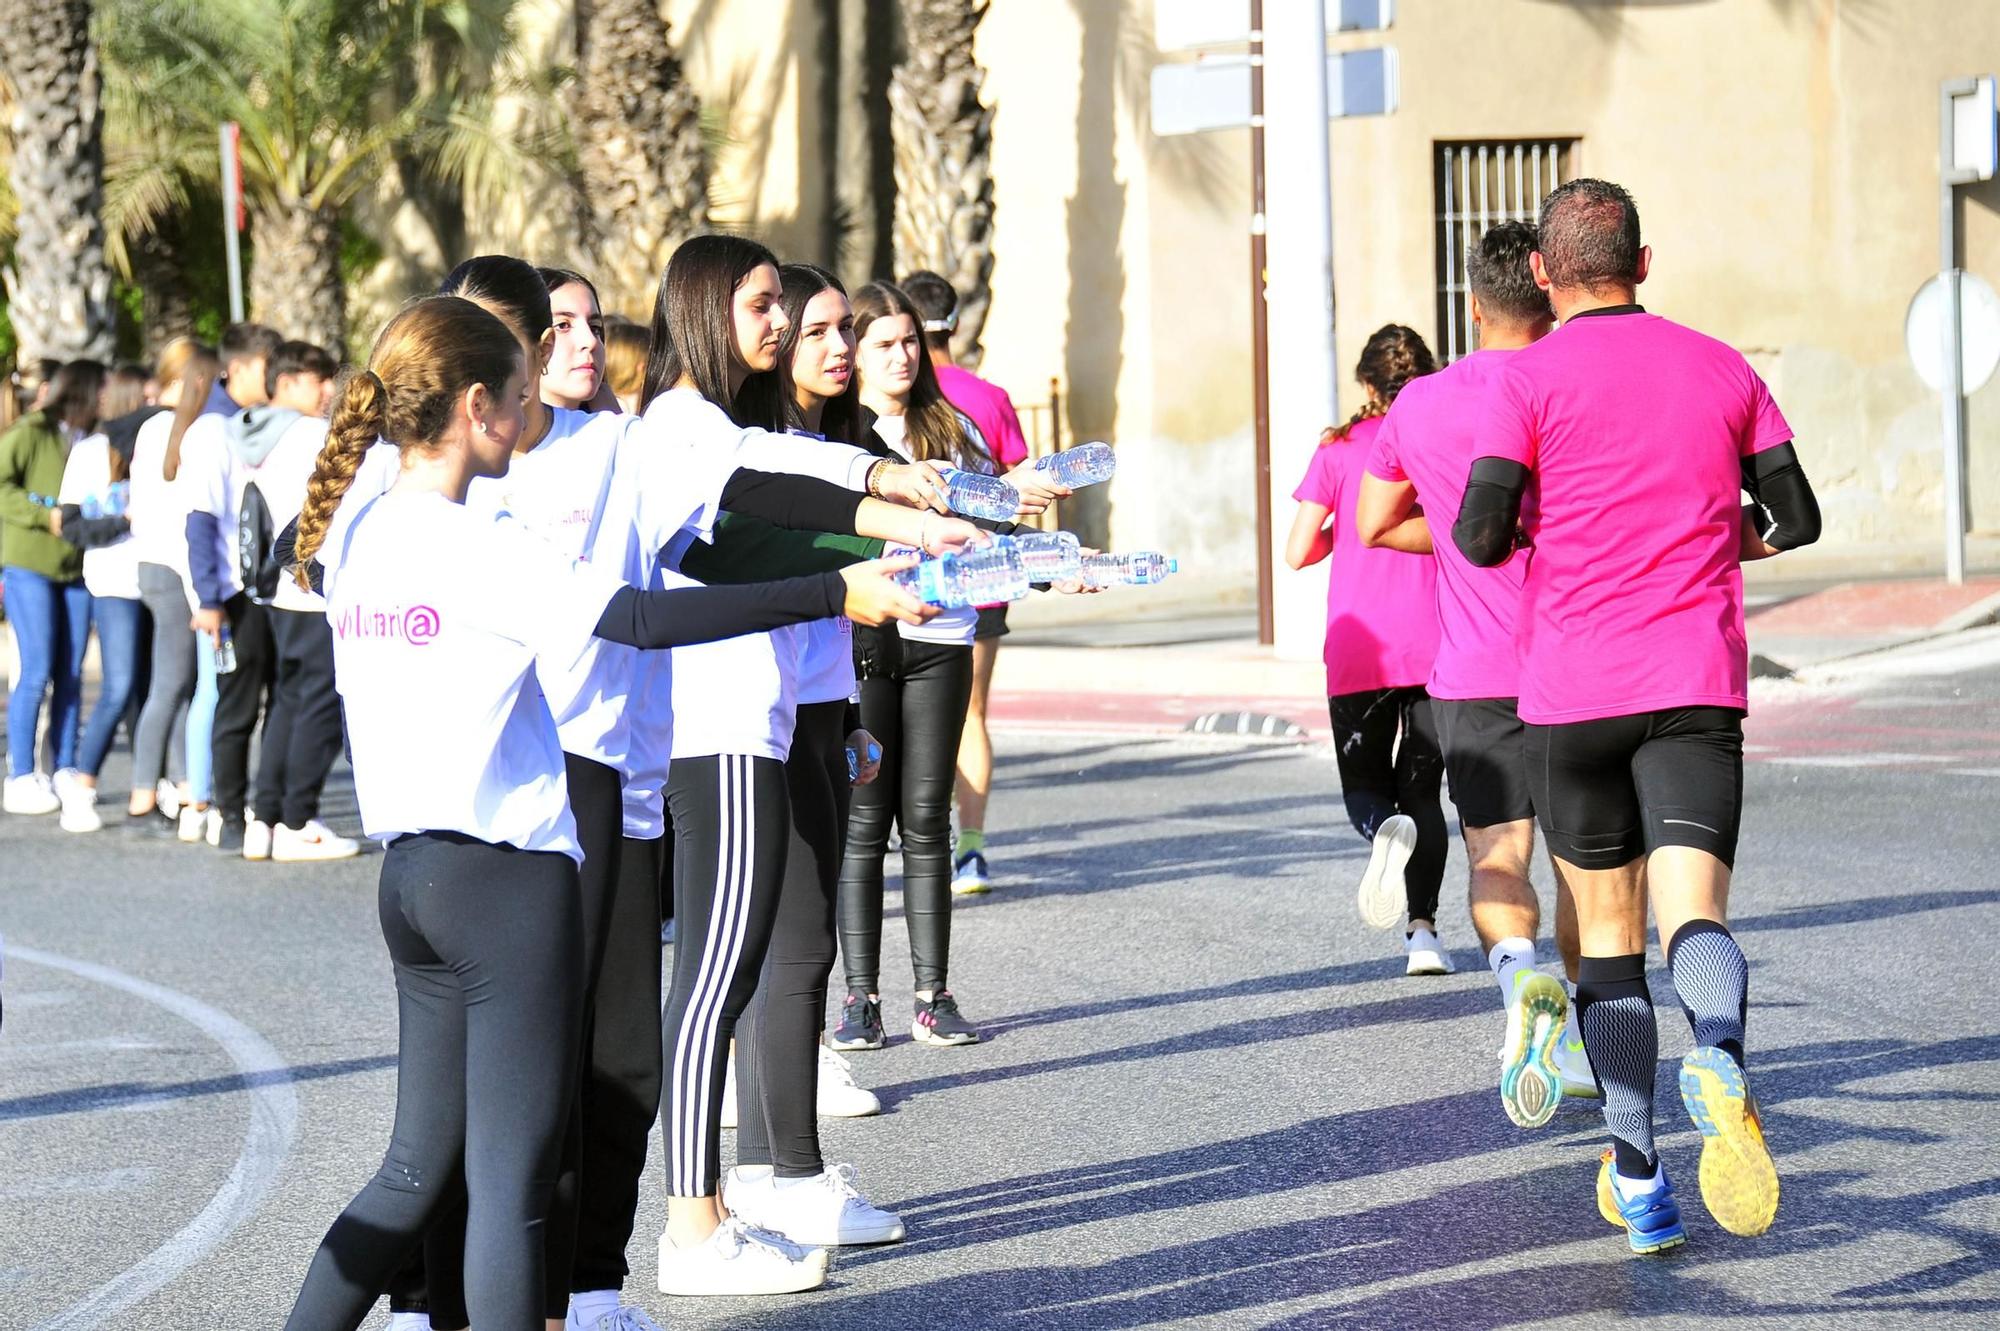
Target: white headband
948,324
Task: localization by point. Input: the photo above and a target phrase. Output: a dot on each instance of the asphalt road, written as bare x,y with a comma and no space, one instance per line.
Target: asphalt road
1211,1099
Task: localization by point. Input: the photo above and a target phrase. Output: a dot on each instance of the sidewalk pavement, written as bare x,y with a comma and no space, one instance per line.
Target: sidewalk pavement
1152,660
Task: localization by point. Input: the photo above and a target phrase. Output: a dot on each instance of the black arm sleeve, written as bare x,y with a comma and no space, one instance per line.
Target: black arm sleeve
1777,484
798,502
684,616
1491,511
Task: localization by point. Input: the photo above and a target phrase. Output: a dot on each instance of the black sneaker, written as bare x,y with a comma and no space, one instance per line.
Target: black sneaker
860,1024
231,841
155,822
939,1022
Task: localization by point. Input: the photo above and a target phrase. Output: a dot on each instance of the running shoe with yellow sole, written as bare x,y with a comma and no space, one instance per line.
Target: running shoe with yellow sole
1651,1219
1531,1085
1739,1182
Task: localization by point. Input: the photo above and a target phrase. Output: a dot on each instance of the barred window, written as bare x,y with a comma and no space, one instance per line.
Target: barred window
1477,186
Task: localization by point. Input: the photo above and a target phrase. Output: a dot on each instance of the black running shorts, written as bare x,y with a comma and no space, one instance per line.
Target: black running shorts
1610,790
1485,759
992,623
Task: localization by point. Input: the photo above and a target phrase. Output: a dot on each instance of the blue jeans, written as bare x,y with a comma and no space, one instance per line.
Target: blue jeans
51,623
201,722
118,621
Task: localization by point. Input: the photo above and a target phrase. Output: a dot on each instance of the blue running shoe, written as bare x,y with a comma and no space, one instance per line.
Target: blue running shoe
1651,1219
860,1024
969,875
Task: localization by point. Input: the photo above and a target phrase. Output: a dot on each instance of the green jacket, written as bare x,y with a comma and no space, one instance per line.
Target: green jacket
32,455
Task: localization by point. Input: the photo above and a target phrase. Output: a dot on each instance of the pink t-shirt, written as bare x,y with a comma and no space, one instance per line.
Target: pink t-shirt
1381,605
1426,439
990,409
1635,429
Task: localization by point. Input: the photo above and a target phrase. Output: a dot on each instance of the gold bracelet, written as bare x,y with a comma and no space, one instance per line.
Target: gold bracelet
875,478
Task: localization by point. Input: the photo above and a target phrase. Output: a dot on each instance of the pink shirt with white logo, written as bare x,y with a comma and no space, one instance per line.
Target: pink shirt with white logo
1381,605
1635,429
1426,439
991,410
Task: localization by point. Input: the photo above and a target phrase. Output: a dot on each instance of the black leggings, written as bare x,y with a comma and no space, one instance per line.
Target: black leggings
777,1049
915,706
1380,777
732,817
431,1280
302,724
487,943
239,700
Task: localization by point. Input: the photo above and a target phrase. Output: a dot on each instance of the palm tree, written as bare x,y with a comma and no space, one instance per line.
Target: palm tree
328,93
59,290
641,150
943,140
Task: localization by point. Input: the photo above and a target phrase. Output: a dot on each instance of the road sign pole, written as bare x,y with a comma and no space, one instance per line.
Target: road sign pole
1260,335
232,215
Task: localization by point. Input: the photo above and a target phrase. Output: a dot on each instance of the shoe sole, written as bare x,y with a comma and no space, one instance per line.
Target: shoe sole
1415,967
923,1034
970,889
825,1112
1607,1206
313,859
811,1276
848,1046
1739,1181
1531,1087
1381,896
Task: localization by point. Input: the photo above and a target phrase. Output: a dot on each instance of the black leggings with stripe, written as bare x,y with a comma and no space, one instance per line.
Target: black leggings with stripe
732,818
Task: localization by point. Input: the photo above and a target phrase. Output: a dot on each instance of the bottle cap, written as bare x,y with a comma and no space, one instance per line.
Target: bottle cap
1173,566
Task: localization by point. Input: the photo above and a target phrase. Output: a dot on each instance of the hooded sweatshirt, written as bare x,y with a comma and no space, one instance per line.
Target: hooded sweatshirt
32,454
223,463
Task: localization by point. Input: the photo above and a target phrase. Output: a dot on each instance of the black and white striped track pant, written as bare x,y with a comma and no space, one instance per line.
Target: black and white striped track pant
732,820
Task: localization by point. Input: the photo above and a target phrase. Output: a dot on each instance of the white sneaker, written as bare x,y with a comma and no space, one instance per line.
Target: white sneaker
167,796
314,841
256,840
211,826
1573,1066
79,802
622,1318
739,1259
826,1210
729,1092
30,794
193,824
409,1322
839,1095
1381,898
1426,955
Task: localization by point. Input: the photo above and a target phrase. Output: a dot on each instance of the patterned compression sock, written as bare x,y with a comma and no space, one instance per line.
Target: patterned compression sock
1623,1041
970,839
1713,981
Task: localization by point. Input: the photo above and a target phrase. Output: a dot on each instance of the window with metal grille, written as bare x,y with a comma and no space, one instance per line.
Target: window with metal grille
1479,185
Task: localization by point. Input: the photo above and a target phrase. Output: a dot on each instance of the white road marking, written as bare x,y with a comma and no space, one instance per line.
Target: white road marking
1861,759
1975,771
267,1141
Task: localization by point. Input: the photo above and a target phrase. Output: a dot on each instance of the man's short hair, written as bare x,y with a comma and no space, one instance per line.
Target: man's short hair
297,358
247,341
1501,277
937,299
1589,235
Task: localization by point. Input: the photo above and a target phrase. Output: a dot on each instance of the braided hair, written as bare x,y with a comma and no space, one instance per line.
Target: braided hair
1394,355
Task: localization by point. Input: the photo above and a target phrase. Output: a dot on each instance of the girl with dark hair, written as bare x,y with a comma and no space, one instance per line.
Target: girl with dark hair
575,377
625,348
95,488
711,384
48,606
465,782
1381,637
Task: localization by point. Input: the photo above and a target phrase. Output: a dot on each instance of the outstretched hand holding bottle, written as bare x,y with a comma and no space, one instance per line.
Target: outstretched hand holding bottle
874,597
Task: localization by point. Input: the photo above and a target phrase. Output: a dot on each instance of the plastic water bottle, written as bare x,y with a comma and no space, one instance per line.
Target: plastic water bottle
979,496
1050,556
118,498
91,507
225,652
979,575
1086,464
1138,569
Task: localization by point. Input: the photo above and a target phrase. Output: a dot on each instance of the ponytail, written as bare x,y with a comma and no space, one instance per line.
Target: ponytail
199,370
1393,356
360,416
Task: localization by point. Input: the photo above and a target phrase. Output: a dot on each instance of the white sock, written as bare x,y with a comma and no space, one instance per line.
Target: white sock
587,1307
1510,957
1572,1033
409,1322
1628,1186
782,1183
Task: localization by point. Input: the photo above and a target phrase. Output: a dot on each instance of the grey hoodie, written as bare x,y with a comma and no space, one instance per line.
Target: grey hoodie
255,431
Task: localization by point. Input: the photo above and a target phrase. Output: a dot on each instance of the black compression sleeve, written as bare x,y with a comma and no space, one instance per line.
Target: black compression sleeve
1490,511
684,616
799,502
1777,484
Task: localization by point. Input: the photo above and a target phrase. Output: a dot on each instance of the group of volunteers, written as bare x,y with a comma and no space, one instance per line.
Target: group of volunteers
144,504
597,643
1536,594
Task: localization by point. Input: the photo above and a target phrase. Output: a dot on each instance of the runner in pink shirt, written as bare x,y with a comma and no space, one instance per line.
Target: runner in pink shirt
1422,454
1381,638
1637,437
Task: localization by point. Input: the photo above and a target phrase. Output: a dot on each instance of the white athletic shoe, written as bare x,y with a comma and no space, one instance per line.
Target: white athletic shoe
1573,1066
211,826
622,1318
30,794
740,1259
168,796
194,828
409,1322
729,1092
1381,897
314,841
256,839
1426,955
840,1096
79,802
826,1210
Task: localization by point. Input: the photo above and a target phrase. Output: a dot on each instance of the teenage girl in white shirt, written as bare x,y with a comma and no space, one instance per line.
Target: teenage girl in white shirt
441,616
